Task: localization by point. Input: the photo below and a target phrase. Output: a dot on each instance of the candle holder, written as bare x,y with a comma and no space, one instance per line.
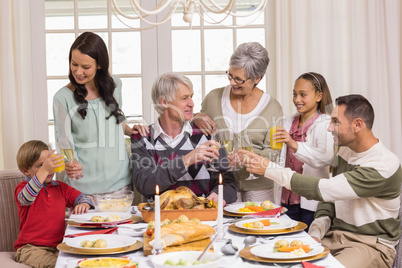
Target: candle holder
156,251
220,236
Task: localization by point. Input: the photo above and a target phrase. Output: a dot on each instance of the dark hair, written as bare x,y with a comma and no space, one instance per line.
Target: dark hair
30,152
357,106
92,45
320,85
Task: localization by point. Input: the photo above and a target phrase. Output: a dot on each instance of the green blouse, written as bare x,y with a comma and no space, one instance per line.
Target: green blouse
258,130
98,143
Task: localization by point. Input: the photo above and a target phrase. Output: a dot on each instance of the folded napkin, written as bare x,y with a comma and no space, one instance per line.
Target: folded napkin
310,265
103,231
272,213
103,224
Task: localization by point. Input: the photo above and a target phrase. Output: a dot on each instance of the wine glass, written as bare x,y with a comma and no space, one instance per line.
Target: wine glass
66,149
247,144
226,141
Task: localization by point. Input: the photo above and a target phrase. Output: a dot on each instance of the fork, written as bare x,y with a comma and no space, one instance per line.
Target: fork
124,226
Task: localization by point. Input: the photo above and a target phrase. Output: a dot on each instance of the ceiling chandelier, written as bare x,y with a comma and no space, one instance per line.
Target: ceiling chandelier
203,7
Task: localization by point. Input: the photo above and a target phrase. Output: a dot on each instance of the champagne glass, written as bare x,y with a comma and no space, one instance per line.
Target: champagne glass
225,139
246,144
66,149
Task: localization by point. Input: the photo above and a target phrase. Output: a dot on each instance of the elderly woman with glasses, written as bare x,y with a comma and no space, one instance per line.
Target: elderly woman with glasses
247,110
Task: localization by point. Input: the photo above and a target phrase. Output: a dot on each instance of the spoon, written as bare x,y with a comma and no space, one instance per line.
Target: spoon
207,248
249,240
229,248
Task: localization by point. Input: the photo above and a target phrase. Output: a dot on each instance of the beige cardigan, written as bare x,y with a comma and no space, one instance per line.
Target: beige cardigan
258,130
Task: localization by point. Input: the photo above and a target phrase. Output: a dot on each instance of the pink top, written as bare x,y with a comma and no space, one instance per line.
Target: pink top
297,134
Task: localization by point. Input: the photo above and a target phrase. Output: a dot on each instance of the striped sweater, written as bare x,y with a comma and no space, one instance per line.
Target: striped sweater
362,197
155,163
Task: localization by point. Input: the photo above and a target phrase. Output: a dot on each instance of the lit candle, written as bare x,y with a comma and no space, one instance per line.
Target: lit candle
220,207
158,242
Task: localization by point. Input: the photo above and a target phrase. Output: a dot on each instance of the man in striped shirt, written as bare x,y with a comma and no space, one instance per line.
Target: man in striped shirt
357,218
173,151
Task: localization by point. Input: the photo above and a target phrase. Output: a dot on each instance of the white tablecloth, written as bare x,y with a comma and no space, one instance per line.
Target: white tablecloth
66,260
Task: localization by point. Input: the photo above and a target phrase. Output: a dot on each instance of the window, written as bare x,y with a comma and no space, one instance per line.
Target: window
202,52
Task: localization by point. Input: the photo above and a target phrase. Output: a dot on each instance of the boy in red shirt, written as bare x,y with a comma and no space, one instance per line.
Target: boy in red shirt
42,203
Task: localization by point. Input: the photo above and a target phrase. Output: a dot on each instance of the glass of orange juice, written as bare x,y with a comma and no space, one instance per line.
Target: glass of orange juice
52,146
63,166
274,144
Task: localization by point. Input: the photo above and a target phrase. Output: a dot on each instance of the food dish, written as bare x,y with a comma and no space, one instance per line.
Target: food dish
120,202
230,214
213,258
180,233
209,214
246,254
267,251
276,224
107,262
67,249
133,219
86,218
235,208
299,227
114,242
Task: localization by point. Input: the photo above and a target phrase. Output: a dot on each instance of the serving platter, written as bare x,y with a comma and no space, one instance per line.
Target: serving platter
199,245
207,214
277,224
67,249
246,254
132,219
299,227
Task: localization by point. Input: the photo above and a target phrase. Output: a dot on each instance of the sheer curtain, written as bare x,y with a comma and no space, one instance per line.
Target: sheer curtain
23,110
355,45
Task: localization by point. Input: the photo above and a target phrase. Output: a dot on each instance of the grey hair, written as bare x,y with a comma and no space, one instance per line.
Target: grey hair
252,57
165,87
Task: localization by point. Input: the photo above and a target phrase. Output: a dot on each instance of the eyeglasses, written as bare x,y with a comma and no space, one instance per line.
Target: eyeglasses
237,80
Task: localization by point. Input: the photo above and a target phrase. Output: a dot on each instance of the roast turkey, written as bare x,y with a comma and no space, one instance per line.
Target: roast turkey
183,198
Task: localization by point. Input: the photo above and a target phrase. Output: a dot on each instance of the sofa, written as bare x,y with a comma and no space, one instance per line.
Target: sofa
9,221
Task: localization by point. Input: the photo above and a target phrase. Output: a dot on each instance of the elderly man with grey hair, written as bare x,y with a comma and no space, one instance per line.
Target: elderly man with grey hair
172,152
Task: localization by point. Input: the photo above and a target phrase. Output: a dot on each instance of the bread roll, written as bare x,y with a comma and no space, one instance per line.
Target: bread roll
180,233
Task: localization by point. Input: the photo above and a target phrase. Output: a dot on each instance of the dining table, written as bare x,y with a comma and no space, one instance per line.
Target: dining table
67,259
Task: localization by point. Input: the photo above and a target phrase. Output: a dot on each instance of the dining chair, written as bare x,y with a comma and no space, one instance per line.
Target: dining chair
9,220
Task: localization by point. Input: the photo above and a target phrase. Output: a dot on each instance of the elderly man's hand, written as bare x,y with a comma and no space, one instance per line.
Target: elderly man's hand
254,163
205,124
215,197
205,152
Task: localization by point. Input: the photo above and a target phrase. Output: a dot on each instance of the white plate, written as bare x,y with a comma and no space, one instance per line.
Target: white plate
86,218
267,251
113,241
281,224
235,208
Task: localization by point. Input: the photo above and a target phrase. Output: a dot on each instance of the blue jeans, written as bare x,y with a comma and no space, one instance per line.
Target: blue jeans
295,212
